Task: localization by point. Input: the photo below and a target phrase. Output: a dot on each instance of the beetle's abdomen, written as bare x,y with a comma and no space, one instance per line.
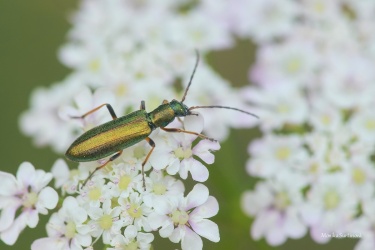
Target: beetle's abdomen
110,137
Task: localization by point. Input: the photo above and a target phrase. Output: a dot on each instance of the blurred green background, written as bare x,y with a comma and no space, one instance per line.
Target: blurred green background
30,35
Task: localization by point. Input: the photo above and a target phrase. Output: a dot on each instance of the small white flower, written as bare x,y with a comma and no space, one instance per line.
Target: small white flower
132,239
176,152
66,229
273,153
263,20
28,194
330,205
276,206
162,186
185,218
105,221
287,107
135,211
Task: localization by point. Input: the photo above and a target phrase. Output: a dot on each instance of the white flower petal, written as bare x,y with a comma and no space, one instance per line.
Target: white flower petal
32,218
83,239
207,210
60,171
10,236
194,122
26,174
203,150
156,220
275,236
166,230
294,226
7,217
198,171
48,198
197,196
49,243
174,167
191,241
177,234
207,229
145,238
8,184
130,232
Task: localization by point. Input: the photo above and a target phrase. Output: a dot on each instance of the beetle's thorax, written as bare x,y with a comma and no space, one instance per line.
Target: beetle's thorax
165,113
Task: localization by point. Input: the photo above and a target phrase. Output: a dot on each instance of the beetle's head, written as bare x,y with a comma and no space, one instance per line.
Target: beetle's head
179,108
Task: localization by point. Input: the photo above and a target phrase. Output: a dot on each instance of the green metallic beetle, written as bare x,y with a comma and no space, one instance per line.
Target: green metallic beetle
112,137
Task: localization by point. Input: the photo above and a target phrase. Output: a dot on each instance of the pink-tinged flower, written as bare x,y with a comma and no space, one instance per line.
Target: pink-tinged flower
287,107
276,206
131,239
26,194
66,229
330,206
274,153
175,152
185,218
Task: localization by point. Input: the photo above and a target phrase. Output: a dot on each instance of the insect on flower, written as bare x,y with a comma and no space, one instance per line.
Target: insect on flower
112,137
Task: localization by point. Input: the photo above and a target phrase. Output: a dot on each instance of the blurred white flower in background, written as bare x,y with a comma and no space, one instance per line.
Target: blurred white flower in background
327,60
313,90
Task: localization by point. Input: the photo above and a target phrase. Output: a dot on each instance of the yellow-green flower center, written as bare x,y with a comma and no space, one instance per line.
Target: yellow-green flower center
70,229
73,173
282,200
283,108
159,188
181,153
293,65
94,65
124,182
131,246
139,152
326,119
370,124
95,194
134,211
331,199
359,176
30,199
106,222
283,153
180,217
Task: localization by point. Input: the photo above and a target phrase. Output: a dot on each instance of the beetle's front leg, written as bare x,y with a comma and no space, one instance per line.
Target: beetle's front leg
178,130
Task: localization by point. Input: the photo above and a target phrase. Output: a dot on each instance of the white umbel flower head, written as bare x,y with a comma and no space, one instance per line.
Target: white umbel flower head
27,192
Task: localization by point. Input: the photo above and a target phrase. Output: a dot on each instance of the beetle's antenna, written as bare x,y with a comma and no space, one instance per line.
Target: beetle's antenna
223,107
192,75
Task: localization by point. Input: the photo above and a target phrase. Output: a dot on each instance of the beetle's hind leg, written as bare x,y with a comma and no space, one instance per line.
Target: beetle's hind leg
113,157
152,144
109,107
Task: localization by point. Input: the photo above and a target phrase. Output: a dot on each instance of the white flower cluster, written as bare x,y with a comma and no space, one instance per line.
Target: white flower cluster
114,205
314,92
122,52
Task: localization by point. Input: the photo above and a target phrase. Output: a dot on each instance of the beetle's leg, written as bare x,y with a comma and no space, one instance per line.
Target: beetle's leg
109,107
112,158
143,105
152,144
178,130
